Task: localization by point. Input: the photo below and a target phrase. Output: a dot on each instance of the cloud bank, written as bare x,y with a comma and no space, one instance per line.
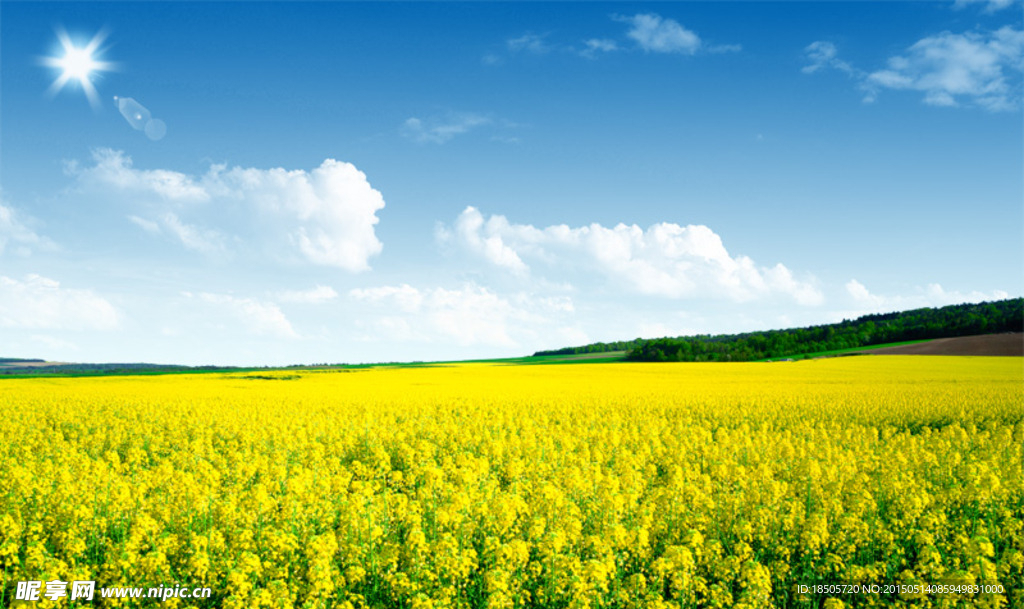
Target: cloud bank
665,260
467,316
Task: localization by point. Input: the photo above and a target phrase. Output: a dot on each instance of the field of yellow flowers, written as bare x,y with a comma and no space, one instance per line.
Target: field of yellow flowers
603,485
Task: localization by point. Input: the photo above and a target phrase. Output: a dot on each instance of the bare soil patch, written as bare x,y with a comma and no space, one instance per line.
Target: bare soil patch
30,364
1011,344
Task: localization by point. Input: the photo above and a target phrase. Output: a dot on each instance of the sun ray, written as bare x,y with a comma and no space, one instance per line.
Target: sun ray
78,65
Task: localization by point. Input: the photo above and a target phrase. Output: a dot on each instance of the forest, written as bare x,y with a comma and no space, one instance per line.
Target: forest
868,330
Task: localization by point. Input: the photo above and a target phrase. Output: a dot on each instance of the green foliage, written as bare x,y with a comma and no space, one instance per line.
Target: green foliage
919,324
869,330
620,345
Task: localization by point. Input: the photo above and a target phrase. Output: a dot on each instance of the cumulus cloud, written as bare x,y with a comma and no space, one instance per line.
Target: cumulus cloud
439,131
655,34
485,238
468,315
953,68
41,303
974,68
932,295
666,259
259,318
325,216
318,295
16,236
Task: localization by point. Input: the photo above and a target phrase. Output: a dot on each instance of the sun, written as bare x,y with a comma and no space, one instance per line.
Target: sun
78,65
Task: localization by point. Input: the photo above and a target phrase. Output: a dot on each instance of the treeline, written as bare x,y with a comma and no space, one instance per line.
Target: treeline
619,345
103,369
919,324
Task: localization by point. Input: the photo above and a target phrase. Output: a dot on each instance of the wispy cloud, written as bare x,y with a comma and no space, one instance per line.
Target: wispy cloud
317,295
192,237
990,6
648,32
529,43
593,47
823,54
441,130
257,317
16,236
975,68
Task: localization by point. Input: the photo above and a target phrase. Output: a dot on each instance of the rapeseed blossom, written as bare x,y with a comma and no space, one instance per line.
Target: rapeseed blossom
607,485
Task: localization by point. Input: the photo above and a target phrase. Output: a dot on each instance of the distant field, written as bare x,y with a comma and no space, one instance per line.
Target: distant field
987,344
17,363
837,352
590,358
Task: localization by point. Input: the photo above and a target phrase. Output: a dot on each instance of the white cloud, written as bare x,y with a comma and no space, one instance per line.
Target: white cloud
16,236
529,43
407,298
41,303
487,240
974,68
318,295
196,238
823,54
260,318
325,216
655,34
439,131
862,296
933,295
666,259
594,46
149,226
650,32
55,344
114,169
469,315
951,68
724,48
991,6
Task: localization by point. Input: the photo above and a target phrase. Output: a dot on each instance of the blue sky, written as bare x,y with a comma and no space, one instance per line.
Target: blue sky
349,182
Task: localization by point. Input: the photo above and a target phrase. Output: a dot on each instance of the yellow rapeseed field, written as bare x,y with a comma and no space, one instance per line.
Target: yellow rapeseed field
603,485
